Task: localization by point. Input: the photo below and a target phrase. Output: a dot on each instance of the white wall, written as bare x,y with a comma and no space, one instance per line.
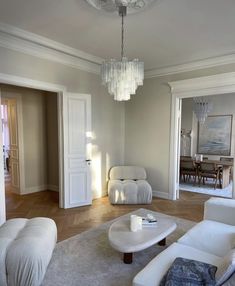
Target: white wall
107,115
222,105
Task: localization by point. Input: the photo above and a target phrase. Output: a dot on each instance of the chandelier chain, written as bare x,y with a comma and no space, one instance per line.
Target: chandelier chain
122,47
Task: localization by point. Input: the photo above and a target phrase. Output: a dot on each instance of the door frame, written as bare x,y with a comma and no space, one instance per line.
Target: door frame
203,86
18,98
45,86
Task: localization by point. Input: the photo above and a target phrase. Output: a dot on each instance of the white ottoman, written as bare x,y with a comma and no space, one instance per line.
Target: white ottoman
26,247
128,185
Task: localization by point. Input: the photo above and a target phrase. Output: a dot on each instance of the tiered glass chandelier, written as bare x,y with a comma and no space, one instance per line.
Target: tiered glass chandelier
122,77
201,107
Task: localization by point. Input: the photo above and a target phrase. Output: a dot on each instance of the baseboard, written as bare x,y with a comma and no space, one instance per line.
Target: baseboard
98,196
53,188
161,195
36,189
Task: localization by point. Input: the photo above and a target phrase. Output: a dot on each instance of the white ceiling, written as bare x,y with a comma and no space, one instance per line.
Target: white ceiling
168,33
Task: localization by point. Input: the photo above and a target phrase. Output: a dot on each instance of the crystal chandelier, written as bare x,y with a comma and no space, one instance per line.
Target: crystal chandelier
122,77
201,107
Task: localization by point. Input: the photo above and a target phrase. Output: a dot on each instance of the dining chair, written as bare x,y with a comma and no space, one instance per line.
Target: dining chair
209,170
188,169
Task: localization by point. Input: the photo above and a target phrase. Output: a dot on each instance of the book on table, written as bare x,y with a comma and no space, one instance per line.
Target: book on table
149,222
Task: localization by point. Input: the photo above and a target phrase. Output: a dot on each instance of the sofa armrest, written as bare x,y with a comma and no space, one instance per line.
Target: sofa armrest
221,210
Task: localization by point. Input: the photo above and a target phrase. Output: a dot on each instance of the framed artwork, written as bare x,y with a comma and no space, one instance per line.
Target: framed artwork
214,136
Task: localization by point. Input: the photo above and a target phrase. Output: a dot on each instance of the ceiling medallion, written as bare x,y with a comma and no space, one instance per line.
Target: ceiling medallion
133,6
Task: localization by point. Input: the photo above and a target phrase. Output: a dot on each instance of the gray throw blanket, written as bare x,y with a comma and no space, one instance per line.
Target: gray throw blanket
186,272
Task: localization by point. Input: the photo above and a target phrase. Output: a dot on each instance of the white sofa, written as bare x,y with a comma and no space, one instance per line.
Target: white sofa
128,185
208,241
26,247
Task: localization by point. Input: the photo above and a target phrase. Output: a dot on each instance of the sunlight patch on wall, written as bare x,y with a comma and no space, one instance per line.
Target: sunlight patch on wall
96,167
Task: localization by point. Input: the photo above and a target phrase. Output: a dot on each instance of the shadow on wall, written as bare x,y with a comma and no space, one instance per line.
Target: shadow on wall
157,177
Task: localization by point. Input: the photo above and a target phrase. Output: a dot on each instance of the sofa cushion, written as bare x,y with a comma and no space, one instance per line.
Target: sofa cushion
153,273
210,236
129,192
226,268
127,172
8,232
221,210
30,250
230,281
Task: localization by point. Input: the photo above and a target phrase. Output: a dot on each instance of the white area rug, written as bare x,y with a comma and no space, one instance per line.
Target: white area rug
208,189
87,259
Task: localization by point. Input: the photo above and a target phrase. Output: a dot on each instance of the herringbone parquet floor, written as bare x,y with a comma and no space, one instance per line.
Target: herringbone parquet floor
73,221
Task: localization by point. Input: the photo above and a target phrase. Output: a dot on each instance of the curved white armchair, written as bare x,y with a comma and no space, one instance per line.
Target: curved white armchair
128,185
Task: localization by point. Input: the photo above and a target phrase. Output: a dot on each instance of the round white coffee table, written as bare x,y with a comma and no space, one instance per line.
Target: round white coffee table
127,242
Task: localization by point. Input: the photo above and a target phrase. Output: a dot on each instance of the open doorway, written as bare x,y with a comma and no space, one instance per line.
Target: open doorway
207,146
6,143
220,84
30,137
74,119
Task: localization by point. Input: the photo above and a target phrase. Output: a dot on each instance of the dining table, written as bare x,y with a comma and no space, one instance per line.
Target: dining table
224,165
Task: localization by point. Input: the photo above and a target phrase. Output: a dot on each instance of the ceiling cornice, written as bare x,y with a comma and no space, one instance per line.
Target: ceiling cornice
191,66
32,44
29,43
206,85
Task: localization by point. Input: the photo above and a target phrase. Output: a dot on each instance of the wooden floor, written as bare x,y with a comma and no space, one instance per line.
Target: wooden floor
73,221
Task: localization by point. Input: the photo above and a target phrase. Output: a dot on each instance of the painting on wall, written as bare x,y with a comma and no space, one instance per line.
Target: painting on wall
214,136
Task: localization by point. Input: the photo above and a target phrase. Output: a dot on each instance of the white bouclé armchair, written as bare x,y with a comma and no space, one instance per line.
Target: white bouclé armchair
128,185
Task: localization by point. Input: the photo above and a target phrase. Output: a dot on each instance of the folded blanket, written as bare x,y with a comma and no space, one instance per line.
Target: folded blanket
186,272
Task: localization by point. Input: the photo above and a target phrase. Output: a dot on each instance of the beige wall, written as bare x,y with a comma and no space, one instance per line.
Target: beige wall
107,115
52,141
187,114
147,126
34,129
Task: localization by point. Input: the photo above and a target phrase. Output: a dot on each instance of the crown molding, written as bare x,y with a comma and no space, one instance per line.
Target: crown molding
29,43
32,44
202,86
191,66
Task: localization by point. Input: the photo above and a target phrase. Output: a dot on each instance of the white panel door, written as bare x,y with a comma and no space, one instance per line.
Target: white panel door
77,156
14,144
2,185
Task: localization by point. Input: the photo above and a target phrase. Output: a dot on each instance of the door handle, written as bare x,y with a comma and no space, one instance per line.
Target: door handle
88,160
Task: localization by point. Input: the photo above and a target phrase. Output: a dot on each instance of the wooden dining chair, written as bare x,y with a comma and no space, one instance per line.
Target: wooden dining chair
209,170
188,169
